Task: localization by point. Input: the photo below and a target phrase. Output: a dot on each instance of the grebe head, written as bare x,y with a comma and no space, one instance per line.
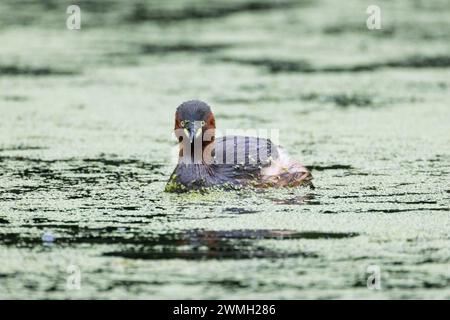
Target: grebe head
194,121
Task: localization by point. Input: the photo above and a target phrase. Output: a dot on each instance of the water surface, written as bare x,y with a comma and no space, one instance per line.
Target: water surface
86,148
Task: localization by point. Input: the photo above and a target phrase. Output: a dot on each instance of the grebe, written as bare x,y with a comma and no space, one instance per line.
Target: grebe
230,161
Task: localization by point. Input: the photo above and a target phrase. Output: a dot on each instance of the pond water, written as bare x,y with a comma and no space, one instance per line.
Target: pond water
86,148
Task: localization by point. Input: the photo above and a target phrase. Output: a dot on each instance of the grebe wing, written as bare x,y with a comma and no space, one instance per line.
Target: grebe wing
241,150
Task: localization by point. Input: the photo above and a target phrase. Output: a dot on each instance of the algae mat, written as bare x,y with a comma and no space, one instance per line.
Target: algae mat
86,148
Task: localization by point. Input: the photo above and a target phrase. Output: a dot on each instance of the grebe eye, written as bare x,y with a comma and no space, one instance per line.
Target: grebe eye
203,123
182,123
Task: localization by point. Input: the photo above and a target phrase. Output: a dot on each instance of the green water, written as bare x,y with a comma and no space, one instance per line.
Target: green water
86,148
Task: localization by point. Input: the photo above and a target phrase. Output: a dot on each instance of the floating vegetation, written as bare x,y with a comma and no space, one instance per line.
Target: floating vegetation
331,167
141,12
342,100
235,210
86,140
279,66
14,98
182,48
14,70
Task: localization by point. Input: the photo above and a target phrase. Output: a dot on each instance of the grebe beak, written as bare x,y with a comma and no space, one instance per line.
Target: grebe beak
195,130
